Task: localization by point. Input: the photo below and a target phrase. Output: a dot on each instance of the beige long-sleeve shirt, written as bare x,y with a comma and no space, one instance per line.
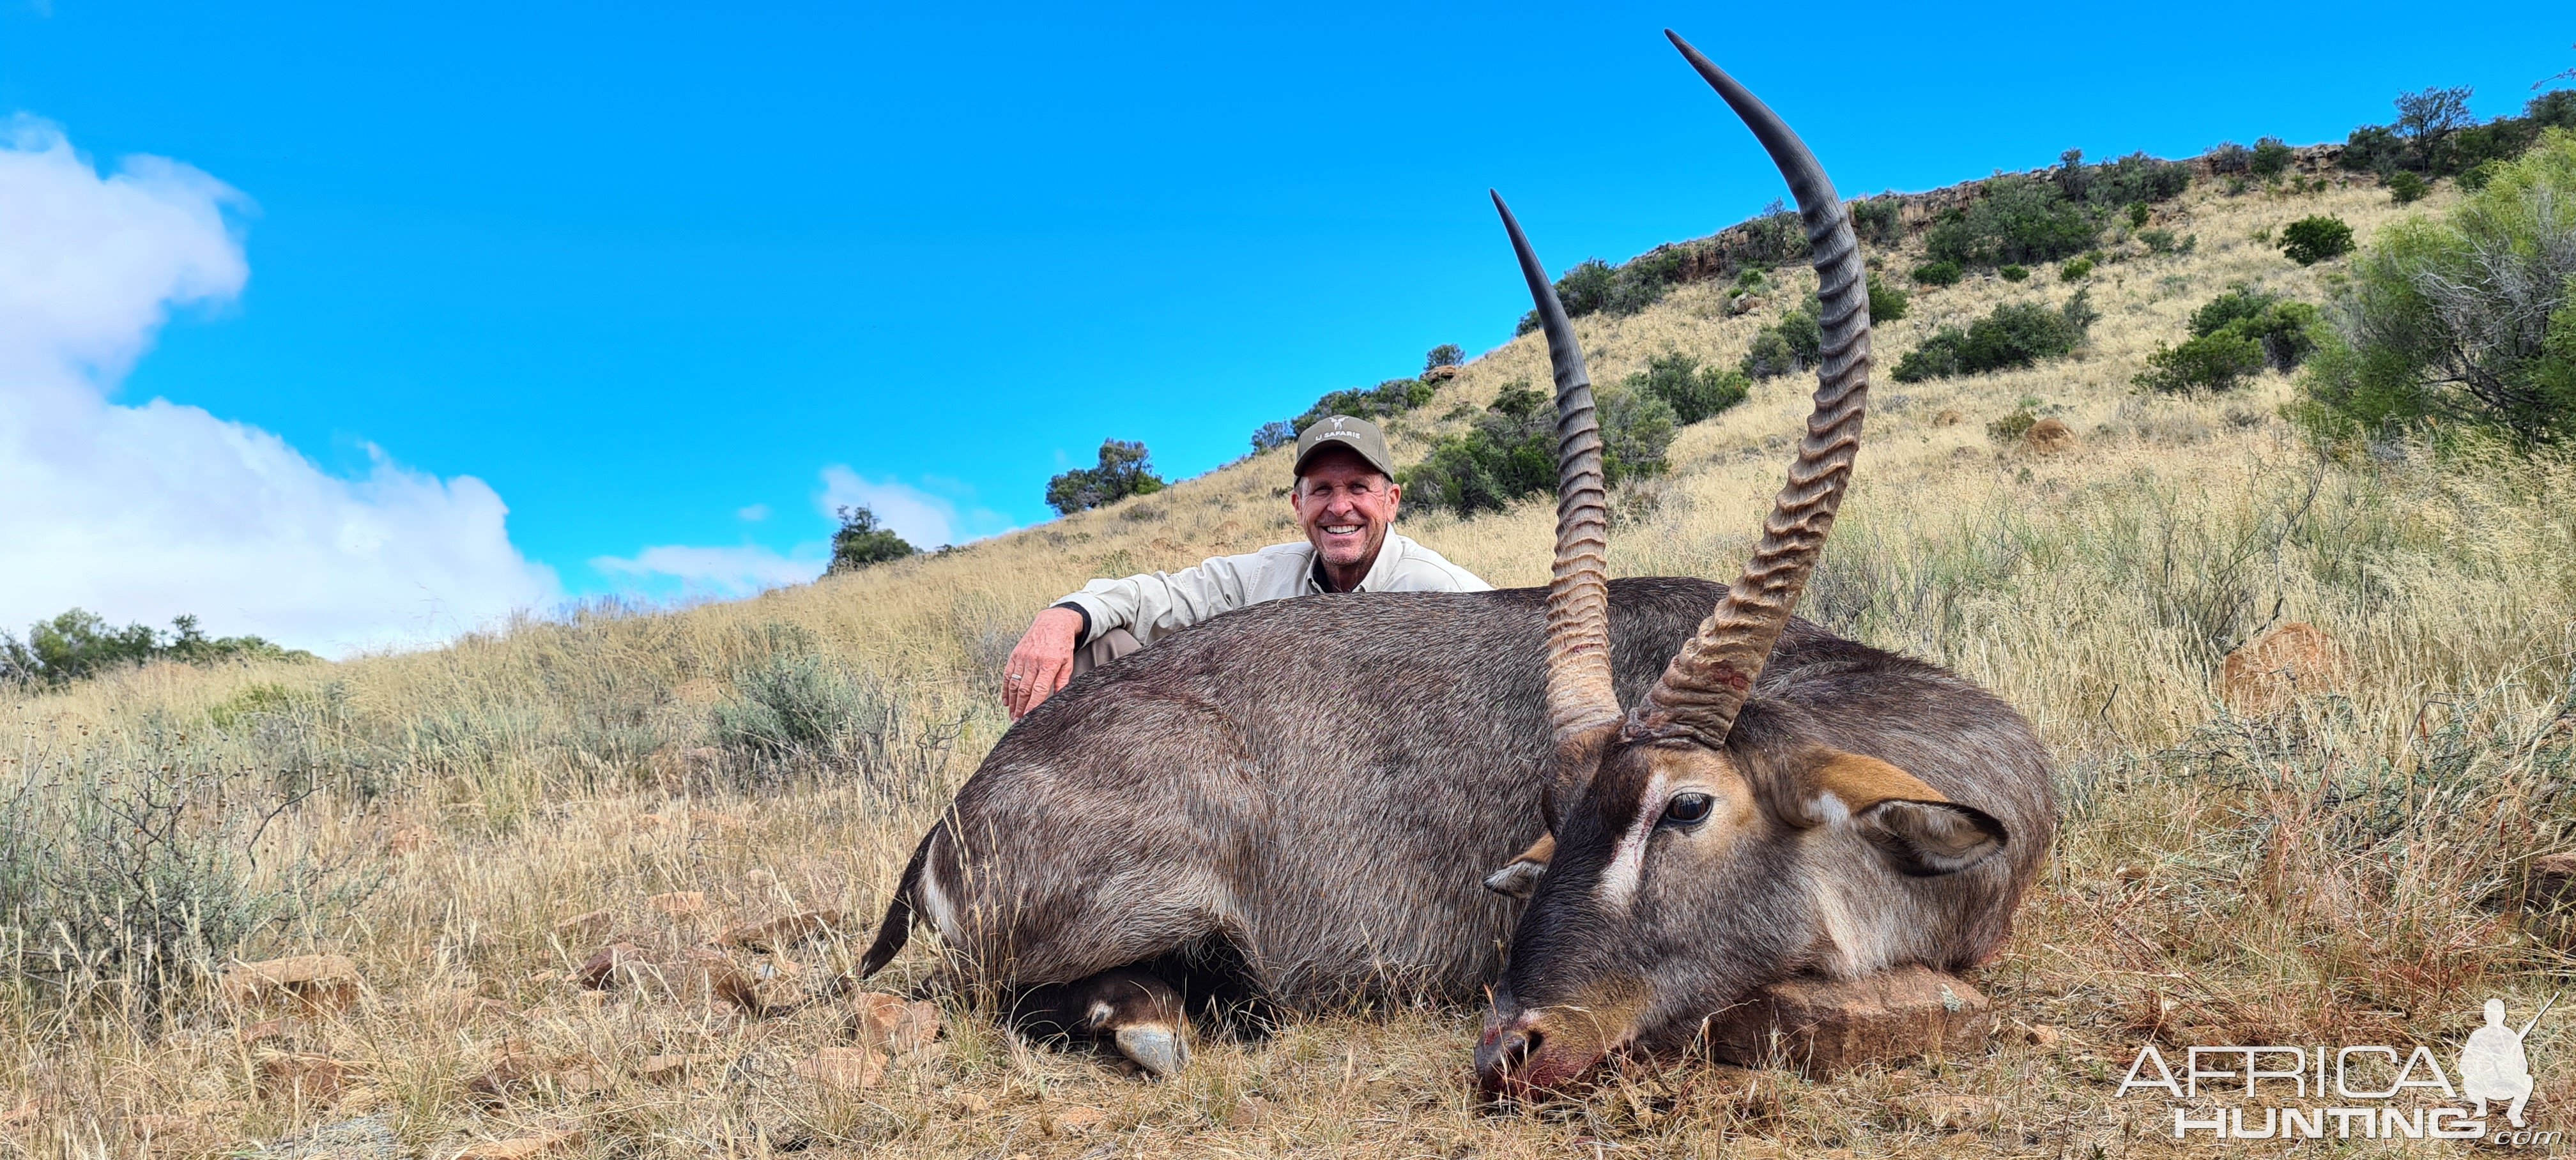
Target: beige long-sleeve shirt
1153,605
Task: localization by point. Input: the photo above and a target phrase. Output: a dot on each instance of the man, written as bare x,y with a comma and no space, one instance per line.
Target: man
1345,498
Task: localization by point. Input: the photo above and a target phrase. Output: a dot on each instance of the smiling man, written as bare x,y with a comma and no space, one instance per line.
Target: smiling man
1346,497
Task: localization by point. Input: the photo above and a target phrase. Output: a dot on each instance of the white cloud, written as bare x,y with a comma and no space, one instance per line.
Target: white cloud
753,514
738,571
145,512
924,519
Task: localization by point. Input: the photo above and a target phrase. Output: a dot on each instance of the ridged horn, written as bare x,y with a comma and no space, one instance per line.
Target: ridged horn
1581,705
1708,680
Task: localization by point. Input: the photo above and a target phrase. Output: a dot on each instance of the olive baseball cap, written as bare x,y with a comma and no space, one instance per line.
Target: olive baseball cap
1359,435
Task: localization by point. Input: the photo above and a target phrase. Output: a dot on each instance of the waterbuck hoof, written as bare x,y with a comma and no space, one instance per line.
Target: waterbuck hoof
1159,1050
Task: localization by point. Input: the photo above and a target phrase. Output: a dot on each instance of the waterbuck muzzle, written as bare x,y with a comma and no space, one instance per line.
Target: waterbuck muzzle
1680,873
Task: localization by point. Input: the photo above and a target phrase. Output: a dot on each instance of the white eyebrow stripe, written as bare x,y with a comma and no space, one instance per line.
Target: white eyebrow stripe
1628,861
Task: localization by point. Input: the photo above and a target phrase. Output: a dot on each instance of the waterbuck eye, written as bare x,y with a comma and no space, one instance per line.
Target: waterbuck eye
1686,808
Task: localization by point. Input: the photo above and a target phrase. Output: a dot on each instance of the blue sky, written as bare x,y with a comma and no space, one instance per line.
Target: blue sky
647,270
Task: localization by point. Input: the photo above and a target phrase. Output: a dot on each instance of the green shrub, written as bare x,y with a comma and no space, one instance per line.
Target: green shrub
2020,219
1124,469
2406,187
2272,157
1938,272
2014,335
1692,391
2157,241
2466,319
2212,362
2230,157
1878,220
81,644
1447,354
131,874
2316,238
2014,273
2012,426
2287,331
2137,214
1385,400
1787,346
798,703
2075,268
2477,177
1510,452
1276,433
1886,303
863,541
2136,180
2555,109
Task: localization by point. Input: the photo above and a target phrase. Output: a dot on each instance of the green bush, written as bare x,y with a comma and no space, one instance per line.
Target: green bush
2075,268
2316,238
2466,319
2213,362
2287,331
1276,433
2230,157
1886,303
2406,187
81,644
1938,272
1878,220
1124,469
1594,286
2135,180
1692,391
2014,273
2271,158
2137,214
2157,241
2012,426
1447,354
1787,346
2014,335
1385,400
2020,219
1510,452
2477,177
130,876
863,541
2555,109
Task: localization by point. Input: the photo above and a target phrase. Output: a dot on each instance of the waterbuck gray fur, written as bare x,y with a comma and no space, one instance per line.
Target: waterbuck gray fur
1305,802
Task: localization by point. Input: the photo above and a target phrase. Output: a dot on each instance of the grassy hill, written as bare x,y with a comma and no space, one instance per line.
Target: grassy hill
2331,864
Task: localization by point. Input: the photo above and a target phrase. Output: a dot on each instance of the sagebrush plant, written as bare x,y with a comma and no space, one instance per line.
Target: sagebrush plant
2339,868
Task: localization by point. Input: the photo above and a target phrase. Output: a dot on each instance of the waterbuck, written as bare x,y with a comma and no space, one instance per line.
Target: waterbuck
1299,802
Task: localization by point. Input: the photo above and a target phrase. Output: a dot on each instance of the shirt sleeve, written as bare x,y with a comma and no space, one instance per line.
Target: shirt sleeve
1158,603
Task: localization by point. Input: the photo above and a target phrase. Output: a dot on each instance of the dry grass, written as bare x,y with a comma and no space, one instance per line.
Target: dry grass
2340,869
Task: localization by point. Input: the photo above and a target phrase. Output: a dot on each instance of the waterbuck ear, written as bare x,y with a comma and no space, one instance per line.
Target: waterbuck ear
1918,828
1519,878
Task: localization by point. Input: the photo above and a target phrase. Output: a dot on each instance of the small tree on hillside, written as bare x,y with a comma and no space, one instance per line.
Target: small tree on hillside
2430,117
1447,354
1124,469
863,541
80,643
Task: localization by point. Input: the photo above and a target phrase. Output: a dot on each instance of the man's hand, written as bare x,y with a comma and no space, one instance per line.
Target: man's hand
1042,662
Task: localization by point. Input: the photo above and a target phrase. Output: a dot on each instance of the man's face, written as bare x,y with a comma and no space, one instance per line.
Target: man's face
1345,505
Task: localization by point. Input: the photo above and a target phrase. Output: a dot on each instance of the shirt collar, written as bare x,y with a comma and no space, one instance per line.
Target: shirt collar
1379,571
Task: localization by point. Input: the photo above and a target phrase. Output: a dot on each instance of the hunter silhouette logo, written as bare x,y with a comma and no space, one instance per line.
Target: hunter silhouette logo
2372,1083
2492,1065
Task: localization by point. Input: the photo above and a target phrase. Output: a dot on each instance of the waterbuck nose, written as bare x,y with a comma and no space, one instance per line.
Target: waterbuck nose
1502,1055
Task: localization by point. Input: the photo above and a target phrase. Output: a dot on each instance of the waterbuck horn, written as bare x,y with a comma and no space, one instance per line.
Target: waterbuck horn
1581,706
1708,680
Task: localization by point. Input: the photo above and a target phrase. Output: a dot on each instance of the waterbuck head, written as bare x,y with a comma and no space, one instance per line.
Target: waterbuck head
1689,832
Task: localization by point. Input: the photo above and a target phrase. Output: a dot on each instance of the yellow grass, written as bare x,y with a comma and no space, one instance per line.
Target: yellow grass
2337,869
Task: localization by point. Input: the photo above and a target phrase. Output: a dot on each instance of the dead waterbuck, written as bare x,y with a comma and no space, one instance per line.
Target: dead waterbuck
1297,802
